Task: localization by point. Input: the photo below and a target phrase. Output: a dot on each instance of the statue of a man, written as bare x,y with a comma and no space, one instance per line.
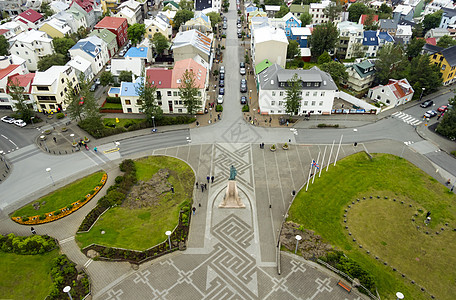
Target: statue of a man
233,173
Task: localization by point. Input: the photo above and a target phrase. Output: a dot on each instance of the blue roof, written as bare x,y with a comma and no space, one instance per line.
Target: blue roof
251,8
201,15
370,38
86,46
114,90
129,89
137,52
385,36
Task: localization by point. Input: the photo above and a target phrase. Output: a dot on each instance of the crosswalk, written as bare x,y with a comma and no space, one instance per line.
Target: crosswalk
406,118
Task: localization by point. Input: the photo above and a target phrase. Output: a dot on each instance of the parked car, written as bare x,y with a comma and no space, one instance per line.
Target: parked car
243,100
19,123
221,83
222,76
222,91
427,103
242,64
242,71
224,26
239,25
442,108
9,120
97,81
243,85
93,87
222,69
220,99
108,68
244,81
239,35
430,114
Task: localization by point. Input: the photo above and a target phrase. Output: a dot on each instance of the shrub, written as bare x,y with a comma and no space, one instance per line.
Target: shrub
119,179
26,245
219,108
57,212
60,115
25,219
245,108
70,206
113,100
42,217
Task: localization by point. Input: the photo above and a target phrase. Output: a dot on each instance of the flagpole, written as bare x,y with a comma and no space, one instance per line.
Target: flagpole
329,158
322,161
308,178
337,154
313,178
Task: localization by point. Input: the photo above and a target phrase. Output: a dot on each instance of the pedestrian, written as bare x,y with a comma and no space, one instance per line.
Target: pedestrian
172,189
55,139
438,117
95,149
293,193
208,178
287,123
202,188
212,179
197,184
87,147
270,119
199,204
262,145
205,186
194,210
218,116
428,214
33,230
197,124
448,181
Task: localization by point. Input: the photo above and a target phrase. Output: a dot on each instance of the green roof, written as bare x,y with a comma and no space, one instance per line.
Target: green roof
172,3
362,67
263,65
297,8
104,34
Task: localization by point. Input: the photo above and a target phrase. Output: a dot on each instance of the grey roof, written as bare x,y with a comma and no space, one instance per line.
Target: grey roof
449,12
450,55
431,49
406,22
388,24
270,78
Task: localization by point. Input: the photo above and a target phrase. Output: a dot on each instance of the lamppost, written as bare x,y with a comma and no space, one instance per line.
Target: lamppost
50,175
4,159
31,119
168,233
43,138
399,296
67,290
72,135
250,97
153,121
298,238
422,90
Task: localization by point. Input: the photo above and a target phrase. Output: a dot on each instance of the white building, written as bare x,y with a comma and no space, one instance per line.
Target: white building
317,11
157,25
92,49
318,90
350,33
405,33
135,8
269,43
130,64
9,66
437,5
13,28
81,66
395,93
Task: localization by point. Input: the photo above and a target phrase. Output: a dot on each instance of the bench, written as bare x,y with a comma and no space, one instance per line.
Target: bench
344,286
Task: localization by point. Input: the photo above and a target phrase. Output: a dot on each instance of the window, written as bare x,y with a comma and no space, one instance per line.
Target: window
313,103
322,94
127,102
169,93
280,103
272,111
281,94
307,94
320,103
63,81
306,103
308,84
61,94
443,67
129,110
42,88
315,94
139,102
175,94
159,103
179,110
176,102
273,94
272,102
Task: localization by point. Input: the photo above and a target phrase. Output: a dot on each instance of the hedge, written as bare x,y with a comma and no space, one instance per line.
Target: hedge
113,100
64,273
26,245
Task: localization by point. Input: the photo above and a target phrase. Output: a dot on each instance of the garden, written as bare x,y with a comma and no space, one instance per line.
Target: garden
153,196
374,211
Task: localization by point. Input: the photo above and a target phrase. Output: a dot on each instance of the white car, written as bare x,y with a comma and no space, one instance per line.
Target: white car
108,68
242,71
222,69
220,99
7,119
20,123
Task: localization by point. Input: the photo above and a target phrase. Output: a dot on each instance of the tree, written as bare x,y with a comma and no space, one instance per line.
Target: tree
106,78
189,92
432,20
369,23
332,11
356,10
160,43
282,11
47,61
181,17
273,2
324,58
125,76
80,34
306,19
423,74
418,31
385,12
186,4
336,70
136,33
90,108
391,63
4,46
46,10
447,126
20,100
293,95
357,50
148,100
72,99
446,41
324,38
62,45
293,49
215,18
415,47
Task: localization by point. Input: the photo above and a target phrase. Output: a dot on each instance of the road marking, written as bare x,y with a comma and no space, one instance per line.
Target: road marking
71,238
111,150
87,263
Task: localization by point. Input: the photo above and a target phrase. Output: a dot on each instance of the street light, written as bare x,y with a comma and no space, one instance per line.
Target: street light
250,96
168,233
31,119
67,290
50,175
4,159
72,135
422,90
43,138
298,238
153,121
399,296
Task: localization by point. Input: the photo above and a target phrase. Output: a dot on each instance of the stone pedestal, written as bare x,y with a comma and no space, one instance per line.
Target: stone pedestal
231,198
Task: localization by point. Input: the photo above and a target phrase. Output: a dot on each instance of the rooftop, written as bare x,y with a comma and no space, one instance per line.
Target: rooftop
137,52
110,22
6,71
450,55
129,89
188,64
266,34
31,15
104,34
49,76
370,38
22,80
193,37
160,77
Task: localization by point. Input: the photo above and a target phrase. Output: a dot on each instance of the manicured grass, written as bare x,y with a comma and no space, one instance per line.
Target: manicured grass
122,122
62,197
26,276
112,105
140,229
378,220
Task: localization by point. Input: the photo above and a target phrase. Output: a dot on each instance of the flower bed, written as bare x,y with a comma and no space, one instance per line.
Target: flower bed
60,213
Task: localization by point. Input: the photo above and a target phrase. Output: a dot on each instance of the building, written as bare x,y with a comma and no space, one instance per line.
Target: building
56,28
92,49
110,5
448,17
136,8
396,92
9,66
15,7
91,9
404,32
79,16
159,24
109,38
318,90
118,26
201,5
437,5
297,10
143,53
269,43
350,36
10,29
25,81
200,22
30,19
405,12
317,11
128,14
58,6
190,43
388,25
49,87
301,35
135,65
286,23
81,66
32,45
363,18
360,75
374,41
437,33
446,59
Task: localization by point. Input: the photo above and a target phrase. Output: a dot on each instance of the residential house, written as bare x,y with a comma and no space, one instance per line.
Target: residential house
135,65
171,5
430,49
56,28
127,14
301,35
30,19
16,7
136,8
396,92
91,8
317,90
201,5
92,49
32,45
350,37
190,43
110,5
13,28
446,59
297,10
317,11
158,24
129,96
200,22
248,10
118,26
25,81
437,33
109,38
258,22
374,41
269,43
388,25
403,12
437,5
363,18
256,13
404,32
448,17
286,23
167,14
68,18
360,75
81,66
58,6
271,10
9,66
79,16
143,53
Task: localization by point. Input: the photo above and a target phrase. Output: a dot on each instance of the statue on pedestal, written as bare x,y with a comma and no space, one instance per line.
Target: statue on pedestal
231,198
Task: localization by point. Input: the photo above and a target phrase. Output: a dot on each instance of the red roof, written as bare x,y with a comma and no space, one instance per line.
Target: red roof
110,22
6,71
22,80
400,88
86,5
31,15
158,75
364,17
431,41
3,31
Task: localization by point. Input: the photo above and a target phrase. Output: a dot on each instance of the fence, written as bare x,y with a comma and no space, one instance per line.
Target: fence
365,107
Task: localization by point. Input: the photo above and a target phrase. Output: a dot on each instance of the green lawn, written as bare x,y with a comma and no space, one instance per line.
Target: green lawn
26,276
62,197
112,105
377,222
143,228
122,122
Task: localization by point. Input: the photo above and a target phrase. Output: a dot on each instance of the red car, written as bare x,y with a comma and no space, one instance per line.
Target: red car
442,108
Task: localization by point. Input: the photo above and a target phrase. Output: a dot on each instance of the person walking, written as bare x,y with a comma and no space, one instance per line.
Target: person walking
197,184
55,139
212,179
202,188
33,230
208,178
95,149
194,210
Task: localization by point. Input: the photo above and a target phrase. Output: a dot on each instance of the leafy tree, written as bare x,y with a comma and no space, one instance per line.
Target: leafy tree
46,10
293,49
423,74
136,32
181,17
306,19
447,126
125,76
336,70
215,18
385,12
80,34
186,4
90,108
282,11
189,92
273,2
47,61
62,45
418,31
324,38
333,10
357,50
324,58
147,96
369,23
432,20
106,78
415,47
20,100
72,99
356,10
446,41
4,45
391,63
160,43
293,95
